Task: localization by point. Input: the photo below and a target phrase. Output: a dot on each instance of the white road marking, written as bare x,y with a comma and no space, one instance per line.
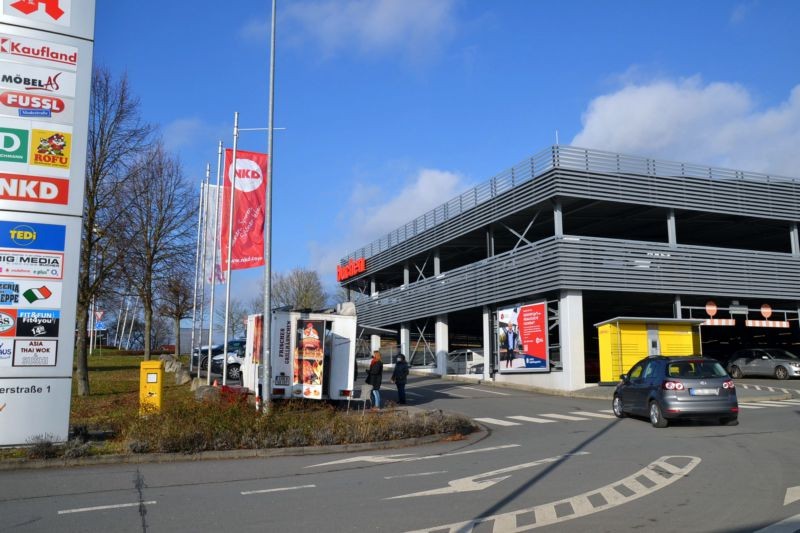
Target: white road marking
774,403
476,482
532,419
105,507
792,495
562,417
408,393
485,390
447,392
609,411
416,475
595,415
750,406
279,489
496,421
406,457
661,472
791,401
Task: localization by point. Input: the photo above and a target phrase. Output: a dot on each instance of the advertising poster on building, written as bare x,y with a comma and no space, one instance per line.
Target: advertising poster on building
247,248
309,357
522,339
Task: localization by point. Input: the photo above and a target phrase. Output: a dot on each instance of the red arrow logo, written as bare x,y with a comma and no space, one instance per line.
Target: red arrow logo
51,7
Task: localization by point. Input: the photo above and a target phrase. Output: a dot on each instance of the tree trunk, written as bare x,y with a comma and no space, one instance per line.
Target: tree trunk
177,322
81,348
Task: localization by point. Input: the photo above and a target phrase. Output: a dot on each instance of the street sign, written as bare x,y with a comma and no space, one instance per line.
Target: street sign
98,315
100,326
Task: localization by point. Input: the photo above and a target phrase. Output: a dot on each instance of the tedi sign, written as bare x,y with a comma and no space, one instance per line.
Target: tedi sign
352,268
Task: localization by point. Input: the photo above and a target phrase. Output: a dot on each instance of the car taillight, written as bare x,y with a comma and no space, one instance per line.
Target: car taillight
673,385
728,384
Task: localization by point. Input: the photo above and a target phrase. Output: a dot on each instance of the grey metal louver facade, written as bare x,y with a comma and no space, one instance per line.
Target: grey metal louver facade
589,263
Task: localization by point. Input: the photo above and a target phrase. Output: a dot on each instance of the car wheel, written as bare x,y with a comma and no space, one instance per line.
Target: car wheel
781,372
204,364
736,372
616,405
234,372
729,421
656,417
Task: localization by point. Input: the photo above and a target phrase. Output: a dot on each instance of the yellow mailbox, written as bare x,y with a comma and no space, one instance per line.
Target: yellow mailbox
626,340
151,386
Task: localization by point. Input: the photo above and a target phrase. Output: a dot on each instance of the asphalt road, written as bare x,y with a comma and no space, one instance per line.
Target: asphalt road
552,463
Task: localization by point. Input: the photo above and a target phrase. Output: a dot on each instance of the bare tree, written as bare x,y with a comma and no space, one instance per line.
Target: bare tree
238,317
116,134
157,226
176,300
300,289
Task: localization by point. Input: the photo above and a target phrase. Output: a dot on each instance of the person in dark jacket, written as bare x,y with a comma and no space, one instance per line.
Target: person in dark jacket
375,378
399,377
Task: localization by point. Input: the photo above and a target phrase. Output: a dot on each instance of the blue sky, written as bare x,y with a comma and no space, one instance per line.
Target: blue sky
392,107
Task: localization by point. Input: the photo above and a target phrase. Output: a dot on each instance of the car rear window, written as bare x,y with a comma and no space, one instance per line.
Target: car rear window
695,369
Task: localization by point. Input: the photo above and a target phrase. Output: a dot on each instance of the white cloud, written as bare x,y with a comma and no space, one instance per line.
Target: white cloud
688,120
416,28
362,222
185,132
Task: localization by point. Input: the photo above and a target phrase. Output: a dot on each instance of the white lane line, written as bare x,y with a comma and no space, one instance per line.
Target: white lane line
416,475
532,419
484,390
749,406
562,417
660,472
447,392
497,422
105,507
595,415
409,393
280,489
774,403
609,411
792,401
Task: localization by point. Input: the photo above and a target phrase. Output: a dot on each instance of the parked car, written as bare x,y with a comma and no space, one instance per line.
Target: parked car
459,361
234,365
667,388
776,362
476,369
236,346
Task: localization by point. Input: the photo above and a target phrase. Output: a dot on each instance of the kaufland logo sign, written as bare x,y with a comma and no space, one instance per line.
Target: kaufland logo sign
64,56
51,11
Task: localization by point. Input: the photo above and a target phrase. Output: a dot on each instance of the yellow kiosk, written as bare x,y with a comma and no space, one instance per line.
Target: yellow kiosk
626,340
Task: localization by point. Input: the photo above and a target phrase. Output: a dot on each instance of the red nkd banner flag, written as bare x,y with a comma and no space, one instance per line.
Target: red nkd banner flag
247,248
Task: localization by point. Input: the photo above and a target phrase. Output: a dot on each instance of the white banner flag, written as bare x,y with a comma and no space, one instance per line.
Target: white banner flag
213,270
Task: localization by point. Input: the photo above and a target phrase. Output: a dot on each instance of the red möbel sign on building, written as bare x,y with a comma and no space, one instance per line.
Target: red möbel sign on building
352,268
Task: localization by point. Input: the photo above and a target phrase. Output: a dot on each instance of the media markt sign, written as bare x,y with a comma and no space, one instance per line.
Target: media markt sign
45,78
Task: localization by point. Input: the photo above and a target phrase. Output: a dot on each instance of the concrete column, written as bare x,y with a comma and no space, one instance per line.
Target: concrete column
487,343
490,241
672,234
558,221
406,274
405,340
570,314
442,344
373,287
437,263
676,307
374,342
795,239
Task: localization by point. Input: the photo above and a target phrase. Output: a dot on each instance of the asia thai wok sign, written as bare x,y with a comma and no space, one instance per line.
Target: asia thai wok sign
250,185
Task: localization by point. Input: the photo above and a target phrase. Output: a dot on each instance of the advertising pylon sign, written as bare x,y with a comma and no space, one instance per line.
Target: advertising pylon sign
45,79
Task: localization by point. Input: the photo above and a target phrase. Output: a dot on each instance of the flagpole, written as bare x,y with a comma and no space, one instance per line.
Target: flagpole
196,270
203,262
217,229
118,341
232,178
116,333
267,320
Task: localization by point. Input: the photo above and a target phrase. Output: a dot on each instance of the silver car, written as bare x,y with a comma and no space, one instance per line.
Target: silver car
775,362
665,388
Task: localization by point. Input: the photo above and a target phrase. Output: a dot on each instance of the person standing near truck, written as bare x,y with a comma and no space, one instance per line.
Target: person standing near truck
399,377
375,378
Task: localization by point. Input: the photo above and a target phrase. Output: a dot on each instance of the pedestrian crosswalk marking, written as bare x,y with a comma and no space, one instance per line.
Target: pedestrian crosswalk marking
595,415
562,417
532,419
497,422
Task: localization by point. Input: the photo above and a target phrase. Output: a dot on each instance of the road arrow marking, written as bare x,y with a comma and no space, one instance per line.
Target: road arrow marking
406,457
792,495
472,483
661,473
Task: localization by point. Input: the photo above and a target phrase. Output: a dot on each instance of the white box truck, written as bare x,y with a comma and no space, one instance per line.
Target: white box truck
313,355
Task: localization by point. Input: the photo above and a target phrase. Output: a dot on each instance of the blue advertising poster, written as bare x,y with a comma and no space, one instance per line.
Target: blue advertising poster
32,236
